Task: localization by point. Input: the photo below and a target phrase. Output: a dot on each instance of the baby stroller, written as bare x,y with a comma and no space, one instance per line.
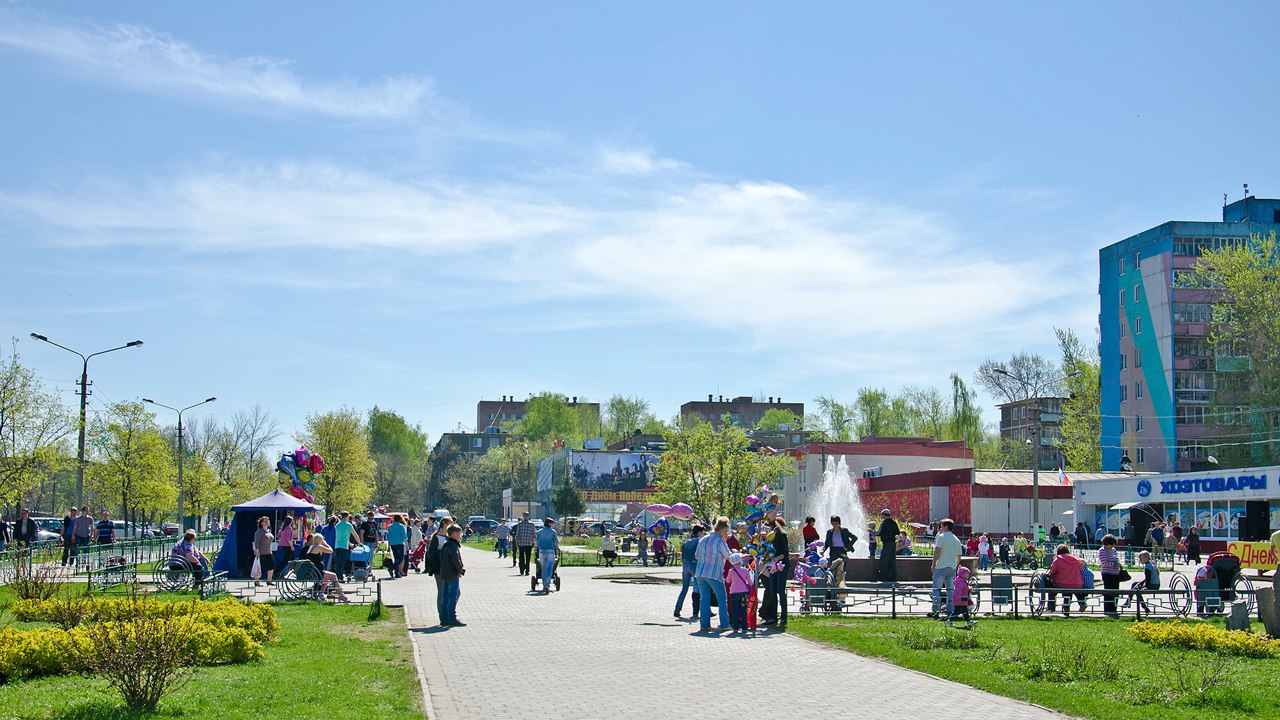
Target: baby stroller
361,564
417,554
536,576
1216,583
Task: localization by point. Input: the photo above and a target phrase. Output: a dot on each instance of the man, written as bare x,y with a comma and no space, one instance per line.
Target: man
84,529
369,535
1099,534
946,558
838,546
4,534
548,542
503,534
342,535
1130,533
1082,535
106,529
688,564
525,534
888,540
451,570
69,536
26,532
1157,540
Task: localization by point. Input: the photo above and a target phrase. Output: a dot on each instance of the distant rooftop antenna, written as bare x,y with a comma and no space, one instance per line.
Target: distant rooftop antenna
1224,199
1246,190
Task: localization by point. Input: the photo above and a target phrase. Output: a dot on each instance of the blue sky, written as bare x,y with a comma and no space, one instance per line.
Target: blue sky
419,205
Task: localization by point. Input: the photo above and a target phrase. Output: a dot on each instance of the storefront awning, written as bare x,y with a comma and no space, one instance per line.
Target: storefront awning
1126,506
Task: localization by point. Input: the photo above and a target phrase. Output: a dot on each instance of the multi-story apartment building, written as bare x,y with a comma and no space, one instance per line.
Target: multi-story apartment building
743,411
491,415
1035,420
1167,393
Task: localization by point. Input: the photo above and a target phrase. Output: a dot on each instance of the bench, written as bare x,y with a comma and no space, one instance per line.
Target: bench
213,585
109,576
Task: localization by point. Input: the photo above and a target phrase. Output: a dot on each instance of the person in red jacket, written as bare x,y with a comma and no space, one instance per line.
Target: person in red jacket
1065,573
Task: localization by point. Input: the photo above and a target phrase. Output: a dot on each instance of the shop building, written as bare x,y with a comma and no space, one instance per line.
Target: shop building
1224,505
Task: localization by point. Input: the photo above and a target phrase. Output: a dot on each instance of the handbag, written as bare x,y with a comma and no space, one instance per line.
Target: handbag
1125,576
255,571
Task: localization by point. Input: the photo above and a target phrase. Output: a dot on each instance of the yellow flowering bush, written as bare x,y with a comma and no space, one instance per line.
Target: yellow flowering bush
258,621
1201,636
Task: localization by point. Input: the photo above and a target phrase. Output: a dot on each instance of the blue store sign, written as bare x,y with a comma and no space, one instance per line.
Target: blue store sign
1144,488
1230,484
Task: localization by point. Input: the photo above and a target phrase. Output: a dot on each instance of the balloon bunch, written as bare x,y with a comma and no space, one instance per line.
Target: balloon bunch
679,510
297,471
761,505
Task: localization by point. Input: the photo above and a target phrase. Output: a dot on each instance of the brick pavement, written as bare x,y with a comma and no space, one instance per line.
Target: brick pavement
607,649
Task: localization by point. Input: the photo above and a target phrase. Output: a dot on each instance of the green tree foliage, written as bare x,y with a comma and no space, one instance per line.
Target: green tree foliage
34,428
834,419
202,490
1081,427
623,416
343,439
470,488
548,415
712,470
1245,333
400,451
237,453
133,470
774,418
566,499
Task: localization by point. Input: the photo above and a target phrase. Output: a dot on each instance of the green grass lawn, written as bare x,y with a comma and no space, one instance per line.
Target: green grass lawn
1083,667
329,661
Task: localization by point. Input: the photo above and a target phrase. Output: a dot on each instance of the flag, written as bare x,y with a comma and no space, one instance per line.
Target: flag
1062,477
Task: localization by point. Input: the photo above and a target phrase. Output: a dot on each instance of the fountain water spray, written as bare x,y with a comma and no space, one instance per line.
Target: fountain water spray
838,495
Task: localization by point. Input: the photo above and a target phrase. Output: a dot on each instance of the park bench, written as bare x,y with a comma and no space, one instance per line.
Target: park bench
213,585
111,575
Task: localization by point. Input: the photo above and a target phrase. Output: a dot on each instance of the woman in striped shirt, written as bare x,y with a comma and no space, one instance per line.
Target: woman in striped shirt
712,553
1110,563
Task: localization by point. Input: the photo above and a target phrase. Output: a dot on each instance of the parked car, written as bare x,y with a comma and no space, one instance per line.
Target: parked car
483,526
171,528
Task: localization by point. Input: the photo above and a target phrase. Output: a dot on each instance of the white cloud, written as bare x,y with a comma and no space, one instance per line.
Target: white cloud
148,60
634,161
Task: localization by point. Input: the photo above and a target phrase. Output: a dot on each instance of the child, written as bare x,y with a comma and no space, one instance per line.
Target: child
960,598
1150,581
811,555
660,550
740,583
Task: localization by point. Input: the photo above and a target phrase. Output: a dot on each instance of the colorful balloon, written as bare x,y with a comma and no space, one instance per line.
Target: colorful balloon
752,499
682,511
659,509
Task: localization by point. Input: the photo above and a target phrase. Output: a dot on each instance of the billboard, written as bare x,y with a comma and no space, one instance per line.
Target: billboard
614,472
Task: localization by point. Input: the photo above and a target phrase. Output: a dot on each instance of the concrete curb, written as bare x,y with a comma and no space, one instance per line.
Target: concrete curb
427,707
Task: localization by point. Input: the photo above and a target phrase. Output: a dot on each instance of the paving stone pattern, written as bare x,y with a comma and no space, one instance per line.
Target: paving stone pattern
607,649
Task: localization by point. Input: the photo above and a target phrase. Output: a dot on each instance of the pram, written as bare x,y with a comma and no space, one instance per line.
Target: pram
361,564
1216,584
417,554
536,576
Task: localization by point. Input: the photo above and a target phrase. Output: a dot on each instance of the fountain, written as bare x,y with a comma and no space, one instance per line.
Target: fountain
838,495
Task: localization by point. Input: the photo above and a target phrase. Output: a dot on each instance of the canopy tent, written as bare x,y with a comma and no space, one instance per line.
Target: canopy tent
237,549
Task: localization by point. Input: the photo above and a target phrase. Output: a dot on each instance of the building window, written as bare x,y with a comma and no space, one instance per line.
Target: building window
1124,424
1137,390
1121,266
490,416
1122,294
1191,415
1142,456
477,442
1137,293
1137,358
1137,424
1184,278
1124,361
494,442
1124,392
1137,326
1124,329
1137,261
1191,312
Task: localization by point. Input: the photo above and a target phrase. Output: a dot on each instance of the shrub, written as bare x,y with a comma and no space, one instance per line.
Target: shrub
258,621
935,638
1072,662
1201,636
143,656
39,652
33,581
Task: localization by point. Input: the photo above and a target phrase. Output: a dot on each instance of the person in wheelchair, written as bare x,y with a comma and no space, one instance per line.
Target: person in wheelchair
185,556
315,551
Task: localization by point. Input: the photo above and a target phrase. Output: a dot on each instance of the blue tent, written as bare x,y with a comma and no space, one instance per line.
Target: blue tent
237,549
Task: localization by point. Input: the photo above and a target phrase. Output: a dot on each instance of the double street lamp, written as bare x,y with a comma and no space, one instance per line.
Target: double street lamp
181,457
84,398
1038,433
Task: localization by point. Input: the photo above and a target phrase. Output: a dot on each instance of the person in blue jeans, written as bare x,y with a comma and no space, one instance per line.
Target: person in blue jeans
711,555
548,541
450,574
502,534
689,563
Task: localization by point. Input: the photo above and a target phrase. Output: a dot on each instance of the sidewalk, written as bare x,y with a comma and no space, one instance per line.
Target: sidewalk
608,649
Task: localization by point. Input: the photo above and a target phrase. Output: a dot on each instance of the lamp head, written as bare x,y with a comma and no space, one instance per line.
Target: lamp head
135,343
211,399
148,400
38,336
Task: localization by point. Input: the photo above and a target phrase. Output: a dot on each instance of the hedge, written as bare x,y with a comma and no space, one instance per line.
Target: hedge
1205,637
257,620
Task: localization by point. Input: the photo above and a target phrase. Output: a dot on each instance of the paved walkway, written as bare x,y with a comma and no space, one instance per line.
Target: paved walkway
607,649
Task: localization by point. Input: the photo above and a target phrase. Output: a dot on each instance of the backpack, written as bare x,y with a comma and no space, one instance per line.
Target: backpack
1086,576
433,556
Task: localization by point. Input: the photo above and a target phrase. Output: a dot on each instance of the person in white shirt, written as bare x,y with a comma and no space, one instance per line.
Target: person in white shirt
984,552
946,558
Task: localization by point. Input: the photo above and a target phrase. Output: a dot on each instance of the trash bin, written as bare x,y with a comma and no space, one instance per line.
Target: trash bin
1002,589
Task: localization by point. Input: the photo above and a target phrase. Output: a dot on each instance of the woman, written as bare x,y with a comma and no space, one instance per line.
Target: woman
781,571
262,540
608,549
185,549
317,552
1110,562
397,536
1193,545
1065,572
286,540
711,556
643,548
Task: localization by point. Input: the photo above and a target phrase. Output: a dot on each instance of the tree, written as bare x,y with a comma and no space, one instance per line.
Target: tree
623,416
1244,330
876,413
1024,376
202,490
928,411
834,419
33,429
469,488
343,439
400,452
1081,426
133,468
548,415
774,418
712,470
566,499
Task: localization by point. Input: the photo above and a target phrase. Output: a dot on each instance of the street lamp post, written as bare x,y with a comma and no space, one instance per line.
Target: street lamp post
84,398
181,520
1037,437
